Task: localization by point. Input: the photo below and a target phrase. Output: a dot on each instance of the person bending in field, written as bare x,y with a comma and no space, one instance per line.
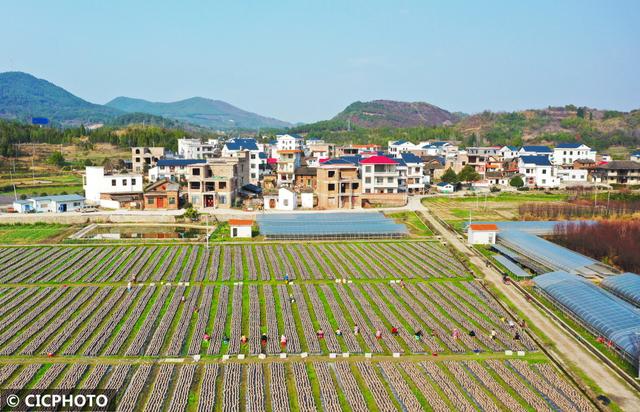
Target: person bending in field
320,334
378,334
394,331
283,342
338,332
243,339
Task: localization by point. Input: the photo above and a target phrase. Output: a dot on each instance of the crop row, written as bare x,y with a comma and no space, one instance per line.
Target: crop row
246,262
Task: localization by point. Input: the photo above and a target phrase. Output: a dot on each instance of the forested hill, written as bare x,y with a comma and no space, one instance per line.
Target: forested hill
599,129
23,96
390,113
210,113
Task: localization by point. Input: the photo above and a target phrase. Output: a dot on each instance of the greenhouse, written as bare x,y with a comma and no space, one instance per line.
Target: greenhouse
366,225
596,309
626,286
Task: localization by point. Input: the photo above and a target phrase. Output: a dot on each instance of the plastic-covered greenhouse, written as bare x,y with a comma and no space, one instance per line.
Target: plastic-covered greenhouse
366,225
595,308
626,286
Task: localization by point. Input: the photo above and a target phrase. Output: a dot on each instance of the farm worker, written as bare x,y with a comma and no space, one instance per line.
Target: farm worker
394,331
320,334
503,319
516,336
50,354
338,332
286,277
378,334
243,339
401,283
195,310
263,339
129,286
523,323
472,333
511,324
456,334
292,299
225,339
356,329
493,334
133,278
418,334
182,299
283,341
207,337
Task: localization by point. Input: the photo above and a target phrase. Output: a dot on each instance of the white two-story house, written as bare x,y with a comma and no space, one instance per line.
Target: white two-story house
538,172
257,163
565,154
412,177
112,190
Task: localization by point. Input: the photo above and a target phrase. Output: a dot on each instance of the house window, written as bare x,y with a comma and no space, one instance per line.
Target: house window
172,200
76,204
150,201
544,171
389,179
222,185
332,173
113,182
285,202
355,185
367,169
367,180
332,187
133,182
195,172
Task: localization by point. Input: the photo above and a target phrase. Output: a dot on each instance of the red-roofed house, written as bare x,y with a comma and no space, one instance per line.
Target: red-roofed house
379,174
482,234
240,227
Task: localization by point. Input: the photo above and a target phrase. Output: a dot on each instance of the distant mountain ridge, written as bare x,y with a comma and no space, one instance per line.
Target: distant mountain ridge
199,111
390,113
23,96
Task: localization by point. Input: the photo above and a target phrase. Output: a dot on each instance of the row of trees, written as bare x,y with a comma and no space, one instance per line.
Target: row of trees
612,241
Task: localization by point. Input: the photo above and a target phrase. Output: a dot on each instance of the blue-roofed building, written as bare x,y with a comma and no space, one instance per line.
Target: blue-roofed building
174,170
598,310
50,204
412,176
257,164
635,156
566,154
535,151
509,152
538,172
445,187
399,146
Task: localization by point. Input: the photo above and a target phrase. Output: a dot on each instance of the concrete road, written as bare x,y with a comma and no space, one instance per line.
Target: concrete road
565,345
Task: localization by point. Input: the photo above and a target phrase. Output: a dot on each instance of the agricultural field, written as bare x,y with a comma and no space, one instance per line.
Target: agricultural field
492,207
69,318
36,233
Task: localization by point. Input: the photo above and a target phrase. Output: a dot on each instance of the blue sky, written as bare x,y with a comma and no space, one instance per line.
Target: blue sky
307,60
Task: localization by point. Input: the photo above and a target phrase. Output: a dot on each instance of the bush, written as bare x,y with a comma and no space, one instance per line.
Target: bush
192,214
494,189
516,182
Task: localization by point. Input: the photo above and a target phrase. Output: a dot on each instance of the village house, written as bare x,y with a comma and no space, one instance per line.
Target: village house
196,149
412,175
509,152
112,190
635,156
620,172
535,151
175,170
217,182
281,199
566,154
288,161
338,185
50,204
144,158
257,163
306,178
162,194
289,142
537,171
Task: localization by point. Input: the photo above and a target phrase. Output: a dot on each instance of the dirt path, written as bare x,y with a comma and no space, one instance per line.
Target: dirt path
565,345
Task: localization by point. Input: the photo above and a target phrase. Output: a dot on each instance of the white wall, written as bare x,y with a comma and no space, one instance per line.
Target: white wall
97,182
242,231
484,237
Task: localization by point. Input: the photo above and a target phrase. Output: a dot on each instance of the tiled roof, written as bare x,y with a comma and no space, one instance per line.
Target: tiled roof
536,160
242,144
379,160
568,145
483,227
179,162
240,222
537,149
410,158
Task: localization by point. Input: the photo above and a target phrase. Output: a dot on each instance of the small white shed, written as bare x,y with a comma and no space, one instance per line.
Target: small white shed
287,199
482,234
240,227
